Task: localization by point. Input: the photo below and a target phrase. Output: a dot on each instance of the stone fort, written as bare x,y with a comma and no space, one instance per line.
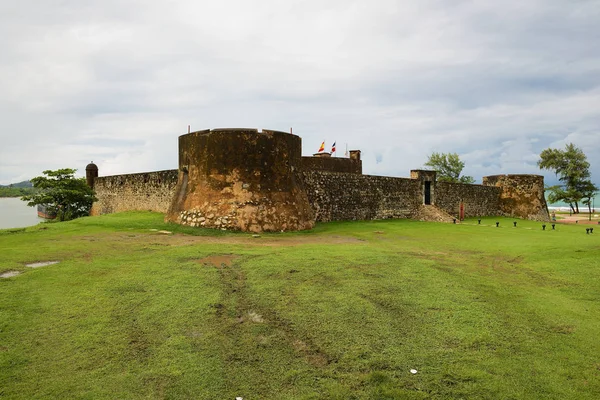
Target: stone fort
255,181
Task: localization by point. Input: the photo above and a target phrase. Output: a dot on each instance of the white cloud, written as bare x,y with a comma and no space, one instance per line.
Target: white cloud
117,82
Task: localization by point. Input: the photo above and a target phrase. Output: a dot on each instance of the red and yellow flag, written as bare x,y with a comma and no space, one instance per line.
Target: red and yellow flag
322,148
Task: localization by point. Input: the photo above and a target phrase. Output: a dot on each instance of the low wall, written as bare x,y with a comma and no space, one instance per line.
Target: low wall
149,191
337,196
332,164
478,200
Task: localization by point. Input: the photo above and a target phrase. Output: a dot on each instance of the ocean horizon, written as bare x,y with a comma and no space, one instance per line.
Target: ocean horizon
562,206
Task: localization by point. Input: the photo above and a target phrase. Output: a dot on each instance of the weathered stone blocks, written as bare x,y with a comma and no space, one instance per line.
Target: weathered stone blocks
148,191
333,164
241,179
337,196
478,200
522,196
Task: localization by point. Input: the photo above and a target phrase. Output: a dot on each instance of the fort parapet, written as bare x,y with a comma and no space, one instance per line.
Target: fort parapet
255,181
317,162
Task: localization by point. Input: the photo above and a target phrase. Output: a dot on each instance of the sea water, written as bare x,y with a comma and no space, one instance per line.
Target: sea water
15,213
562,206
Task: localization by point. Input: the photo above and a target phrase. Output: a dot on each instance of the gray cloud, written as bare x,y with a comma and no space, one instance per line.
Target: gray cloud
117,82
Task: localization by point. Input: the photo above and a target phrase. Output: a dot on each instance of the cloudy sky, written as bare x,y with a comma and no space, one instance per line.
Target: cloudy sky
115,82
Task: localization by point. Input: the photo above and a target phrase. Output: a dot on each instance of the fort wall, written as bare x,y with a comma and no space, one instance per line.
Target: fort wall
478,200
521,196
337,196
332,164
250,180
147,191
241,179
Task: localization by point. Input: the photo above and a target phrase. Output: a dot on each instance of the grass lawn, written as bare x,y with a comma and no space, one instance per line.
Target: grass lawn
344,311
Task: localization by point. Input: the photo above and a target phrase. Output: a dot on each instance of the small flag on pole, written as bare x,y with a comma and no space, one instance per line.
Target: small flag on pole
322,148
333,148
346,154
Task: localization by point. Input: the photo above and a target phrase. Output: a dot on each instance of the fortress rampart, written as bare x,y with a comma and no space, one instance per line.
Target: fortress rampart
478,200
521,196
241,179
337,196
351,165
148,191
250,180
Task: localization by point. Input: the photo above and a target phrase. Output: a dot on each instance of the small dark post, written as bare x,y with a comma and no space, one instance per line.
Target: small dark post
453,220
591,230
544,227
553,225
515,224
497,224
576,221
587,231
478,222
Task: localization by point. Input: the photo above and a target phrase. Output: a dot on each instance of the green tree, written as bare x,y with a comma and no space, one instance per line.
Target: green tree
449,167
573,171
62,193
589,191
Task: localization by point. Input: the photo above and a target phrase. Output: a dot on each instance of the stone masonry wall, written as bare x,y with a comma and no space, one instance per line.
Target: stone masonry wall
240,179
151,191
332,164
521,196
478,200
337,196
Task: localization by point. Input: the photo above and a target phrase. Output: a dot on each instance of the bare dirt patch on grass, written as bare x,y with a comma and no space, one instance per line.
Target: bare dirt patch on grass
254,317
577,219
218,260
263,241
9,274
41,264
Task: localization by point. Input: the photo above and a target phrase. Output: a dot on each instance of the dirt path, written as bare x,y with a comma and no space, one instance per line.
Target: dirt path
577,219
269,241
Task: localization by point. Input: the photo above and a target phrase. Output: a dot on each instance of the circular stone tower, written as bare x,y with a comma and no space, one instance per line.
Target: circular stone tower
240,179
522,195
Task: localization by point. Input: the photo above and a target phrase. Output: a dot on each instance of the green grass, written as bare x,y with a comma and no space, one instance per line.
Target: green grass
340,312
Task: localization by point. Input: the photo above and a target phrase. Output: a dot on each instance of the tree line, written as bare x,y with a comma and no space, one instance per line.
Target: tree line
8,191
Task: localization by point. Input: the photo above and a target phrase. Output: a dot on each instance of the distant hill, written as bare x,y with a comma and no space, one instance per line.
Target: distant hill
17,189
24,184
